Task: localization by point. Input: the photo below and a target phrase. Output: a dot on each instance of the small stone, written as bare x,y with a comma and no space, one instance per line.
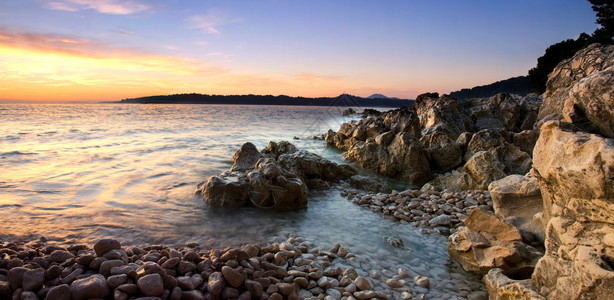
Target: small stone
286,288
441,220
192,295
335,294
333,271
33,279
15,277
117,280
280,258
362,284
59,256
60,292
106,266
171,263
234,278
185,267
216,283
393,283
422,281
151,285
102,246
366,295
230,293
128,288
254,288
94,286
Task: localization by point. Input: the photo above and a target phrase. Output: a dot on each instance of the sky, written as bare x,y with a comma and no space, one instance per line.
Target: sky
108,50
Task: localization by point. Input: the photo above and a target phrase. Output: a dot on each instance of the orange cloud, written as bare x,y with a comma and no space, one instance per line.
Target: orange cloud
54,67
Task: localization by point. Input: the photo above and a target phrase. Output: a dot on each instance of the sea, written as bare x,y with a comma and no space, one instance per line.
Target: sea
75,173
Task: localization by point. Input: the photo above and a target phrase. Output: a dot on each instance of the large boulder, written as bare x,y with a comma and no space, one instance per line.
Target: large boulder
229,189
488,242
503,111
443,153
575,171
519,198
565,82
403,158
278,177
245,158
443,114
482,169
514,160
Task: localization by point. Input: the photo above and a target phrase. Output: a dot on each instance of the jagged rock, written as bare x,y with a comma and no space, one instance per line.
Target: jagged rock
488,242
519,197
501,287
441,114
277,178
370,184
307,165
481,169
403,158
227,189
592,100
443,153
525,140
514,160
575,171
563,79
245,158
503,111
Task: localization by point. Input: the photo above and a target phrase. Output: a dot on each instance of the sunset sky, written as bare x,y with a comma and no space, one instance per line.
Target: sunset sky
99,50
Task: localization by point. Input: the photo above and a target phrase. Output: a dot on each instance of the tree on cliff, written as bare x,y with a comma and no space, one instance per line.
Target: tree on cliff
605,15
566,49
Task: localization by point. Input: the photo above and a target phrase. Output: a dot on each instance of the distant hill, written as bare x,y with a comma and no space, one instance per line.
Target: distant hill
342,100
520,85
380,96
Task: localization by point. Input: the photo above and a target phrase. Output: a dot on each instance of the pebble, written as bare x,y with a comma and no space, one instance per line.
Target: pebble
94,286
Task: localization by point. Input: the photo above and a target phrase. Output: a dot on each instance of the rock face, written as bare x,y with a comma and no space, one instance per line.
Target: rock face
488,242
519,198
501,287
278,177
575,171
438,135
582,87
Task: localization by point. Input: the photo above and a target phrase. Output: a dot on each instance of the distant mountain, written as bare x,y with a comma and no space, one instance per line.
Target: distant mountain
380,96
520,85
342,100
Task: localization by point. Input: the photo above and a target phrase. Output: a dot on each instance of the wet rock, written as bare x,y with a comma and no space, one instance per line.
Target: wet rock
94,286
422,281
228,189
361,283
245,158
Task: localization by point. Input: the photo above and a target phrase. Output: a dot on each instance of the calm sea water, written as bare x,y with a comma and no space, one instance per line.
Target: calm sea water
77,172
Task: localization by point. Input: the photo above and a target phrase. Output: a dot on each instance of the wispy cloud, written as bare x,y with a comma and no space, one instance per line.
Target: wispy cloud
209,22
116,7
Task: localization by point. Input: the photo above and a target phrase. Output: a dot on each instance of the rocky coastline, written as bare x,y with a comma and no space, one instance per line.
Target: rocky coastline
524,190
